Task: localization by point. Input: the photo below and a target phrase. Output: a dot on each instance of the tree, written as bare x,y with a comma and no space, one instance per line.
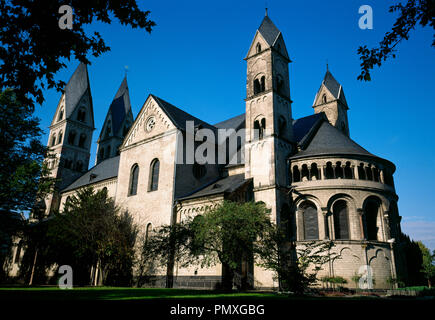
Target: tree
428,265
296,267
34,47
413,13
94,238
24,177
227,234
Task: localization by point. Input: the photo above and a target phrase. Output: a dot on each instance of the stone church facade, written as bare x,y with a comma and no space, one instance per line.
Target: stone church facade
308,171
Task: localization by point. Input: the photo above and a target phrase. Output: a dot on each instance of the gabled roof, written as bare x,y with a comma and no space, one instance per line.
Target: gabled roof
328,140
178,116
222,186
304,126
269,31
76,88
232,123
333,86
104,170
119,109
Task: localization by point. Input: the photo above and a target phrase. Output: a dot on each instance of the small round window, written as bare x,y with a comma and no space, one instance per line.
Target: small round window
150,124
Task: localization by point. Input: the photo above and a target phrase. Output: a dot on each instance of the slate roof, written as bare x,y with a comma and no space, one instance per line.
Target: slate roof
232,123
225,185
303,126
268,30
104,170
328,140
178,116
119,108
76,88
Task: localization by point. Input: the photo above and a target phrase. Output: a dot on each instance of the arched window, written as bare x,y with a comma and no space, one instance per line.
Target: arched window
361,172
134,176
105,190
81,115
371,216
279,84
305,173
79,166
263,83
154,175
348,171
72,137
18,252
82,140
53,140
256,130
262,128
257,86
314,172
369,173
258,47
376,176
148,231
338,170
341,219
311,224
329,172
282,124
60,115
198,170
59,139
324,98
296,174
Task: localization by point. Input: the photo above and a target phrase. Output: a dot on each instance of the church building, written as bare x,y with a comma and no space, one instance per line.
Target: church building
308,171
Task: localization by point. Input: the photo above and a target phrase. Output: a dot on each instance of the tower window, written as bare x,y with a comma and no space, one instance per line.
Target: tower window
154,175
82,140
101,154
72,138
79,166
324,98
59,139
279,84
314,172
348,171
258,47
53,140
60,115
81,115
281,126
361,172
262,128
263,83
329,172
296,174
259,85
134,176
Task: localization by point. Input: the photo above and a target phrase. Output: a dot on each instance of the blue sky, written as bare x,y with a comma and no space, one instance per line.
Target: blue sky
194,59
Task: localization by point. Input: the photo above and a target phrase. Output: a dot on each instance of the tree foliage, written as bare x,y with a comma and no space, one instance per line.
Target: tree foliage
226,234
428,265
413,13
33,47
24,177
296,267
91,232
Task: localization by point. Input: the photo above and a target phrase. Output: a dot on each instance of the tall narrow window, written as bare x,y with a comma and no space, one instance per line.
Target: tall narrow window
262,128
341,219
371,215
338,170
256,130
72,138
134,176
148,231
296,174
154,175
59,139
311,224
348,171
60,115
257,86
81,115
258,48
263,83
361,172
329,172
82,140
305,173
53,140
281,126
314,172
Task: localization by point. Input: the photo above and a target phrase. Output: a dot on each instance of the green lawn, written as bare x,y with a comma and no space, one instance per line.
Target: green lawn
114,293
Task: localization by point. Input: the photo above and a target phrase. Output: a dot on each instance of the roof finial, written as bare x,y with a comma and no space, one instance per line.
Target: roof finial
327,66
266,12
125,70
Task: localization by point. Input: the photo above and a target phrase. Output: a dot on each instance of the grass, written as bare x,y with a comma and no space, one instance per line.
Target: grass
115,293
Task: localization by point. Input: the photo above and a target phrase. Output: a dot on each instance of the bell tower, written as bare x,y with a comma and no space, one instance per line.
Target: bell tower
70,135
269,131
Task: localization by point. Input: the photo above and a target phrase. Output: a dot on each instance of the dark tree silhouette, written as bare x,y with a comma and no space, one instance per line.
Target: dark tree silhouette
33,47
413,13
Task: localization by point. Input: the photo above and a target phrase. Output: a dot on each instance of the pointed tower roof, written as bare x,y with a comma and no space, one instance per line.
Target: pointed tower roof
333,86
76,88
119,108
269,31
